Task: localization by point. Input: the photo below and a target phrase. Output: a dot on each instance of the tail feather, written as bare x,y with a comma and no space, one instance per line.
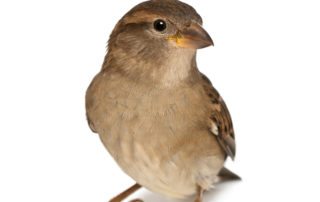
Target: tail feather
226,175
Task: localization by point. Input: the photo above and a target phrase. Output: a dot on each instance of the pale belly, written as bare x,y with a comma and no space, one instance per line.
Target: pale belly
163,159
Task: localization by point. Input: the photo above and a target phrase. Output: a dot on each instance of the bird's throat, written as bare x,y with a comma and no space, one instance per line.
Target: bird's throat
178,68
173,68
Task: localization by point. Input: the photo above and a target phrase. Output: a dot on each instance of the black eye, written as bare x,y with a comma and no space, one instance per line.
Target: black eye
159,25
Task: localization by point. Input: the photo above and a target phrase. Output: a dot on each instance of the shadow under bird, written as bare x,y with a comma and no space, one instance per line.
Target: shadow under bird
158,116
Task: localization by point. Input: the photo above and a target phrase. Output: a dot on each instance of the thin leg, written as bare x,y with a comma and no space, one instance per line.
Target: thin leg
126,193
199,194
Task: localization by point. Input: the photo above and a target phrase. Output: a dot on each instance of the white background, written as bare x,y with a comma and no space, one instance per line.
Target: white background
265,63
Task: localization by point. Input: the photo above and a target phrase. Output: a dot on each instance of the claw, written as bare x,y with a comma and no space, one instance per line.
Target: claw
137,200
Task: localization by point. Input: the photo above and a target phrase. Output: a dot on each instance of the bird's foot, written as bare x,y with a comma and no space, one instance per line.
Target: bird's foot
136,200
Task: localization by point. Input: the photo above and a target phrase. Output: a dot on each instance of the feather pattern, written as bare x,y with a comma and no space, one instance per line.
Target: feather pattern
221,124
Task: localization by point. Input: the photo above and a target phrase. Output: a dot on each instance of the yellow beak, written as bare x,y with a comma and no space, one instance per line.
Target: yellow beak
194,37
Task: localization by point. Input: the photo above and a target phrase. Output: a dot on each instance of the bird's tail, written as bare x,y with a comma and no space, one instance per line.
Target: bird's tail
227,175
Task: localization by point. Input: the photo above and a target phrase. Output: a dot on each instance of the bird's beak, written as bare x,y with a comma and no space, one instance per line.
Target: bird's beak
194,37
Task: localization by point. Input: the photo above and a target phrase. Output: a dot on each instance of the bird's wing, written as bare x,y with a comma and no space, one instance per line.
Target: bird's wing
221,123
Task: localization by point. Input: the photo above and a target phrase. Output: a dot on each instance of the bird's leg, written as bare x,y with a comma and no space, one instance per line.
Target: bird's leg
199,194
127,193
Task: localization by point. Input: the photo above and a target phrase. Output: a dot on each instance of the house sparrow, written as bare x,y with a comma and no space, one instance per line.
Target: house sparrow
155,112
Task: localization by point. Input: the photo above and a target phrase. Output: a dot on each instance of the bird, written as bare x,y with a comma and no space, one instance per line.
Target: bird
157,115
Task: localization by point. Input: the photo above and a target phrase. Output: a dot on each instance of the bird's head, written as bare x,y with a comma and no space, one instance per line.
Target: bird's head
156,31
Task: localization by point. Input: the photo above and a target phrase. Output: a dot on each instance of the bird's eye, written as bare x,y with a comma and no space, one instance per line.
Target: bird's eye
160,25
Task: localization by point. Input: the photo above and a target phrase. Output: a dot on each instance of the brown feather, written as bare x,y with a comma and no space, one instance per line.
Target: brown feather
152,108
221,117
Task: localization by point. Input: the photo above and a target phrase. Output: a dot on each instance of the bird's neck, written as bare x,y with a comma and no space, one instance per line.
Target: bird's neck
178,68
174,68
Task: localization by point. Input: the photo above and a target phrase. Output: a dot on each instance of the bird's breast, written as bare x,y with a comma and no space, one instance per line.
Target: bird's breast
156,136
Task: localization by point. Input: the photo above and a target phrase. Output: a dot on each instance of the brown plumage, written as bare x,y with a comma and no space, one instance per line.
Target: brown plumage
157,115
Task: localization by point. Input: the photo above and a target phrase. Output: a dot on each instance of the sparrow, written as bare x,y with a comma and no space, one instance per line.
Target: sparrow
158,116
